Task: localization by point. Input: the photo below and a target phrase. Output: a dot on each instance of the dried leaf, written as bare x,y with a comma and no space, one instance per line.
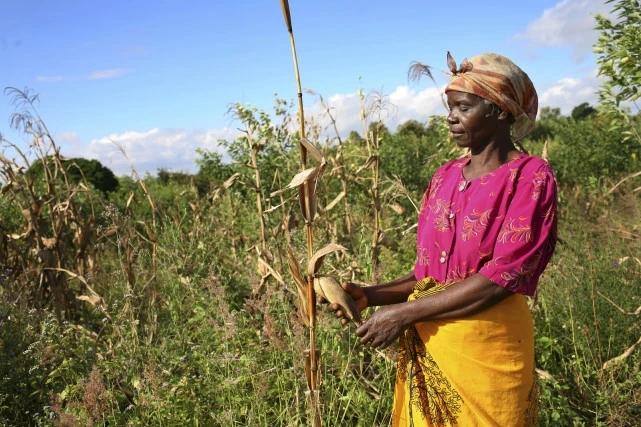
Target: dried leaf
368,163
316,260
329,288
275,274
544,375
6,187
313,151
544,155
91,299
49,242
131,197
334,202
620,358
301,285
309,212
397,208
301,177
230,181
294,268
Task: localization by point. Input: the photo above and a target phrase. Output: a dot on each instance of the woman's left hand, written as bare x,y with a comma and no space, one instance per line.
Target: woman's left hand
383,327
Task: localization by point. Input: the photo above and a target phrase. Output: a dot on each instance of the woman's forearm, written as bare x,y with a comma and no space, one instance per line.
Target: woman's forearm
462,299
393,292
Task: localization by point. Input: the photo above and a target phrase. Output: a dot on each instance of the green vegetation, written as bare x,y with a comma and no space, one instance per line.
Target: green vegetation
167,300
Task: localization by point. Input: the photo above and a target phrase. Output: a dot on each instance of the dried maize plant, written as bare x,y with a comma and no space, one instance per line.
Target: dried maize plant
258,134
393,194
134,235
339,169
52,253
374,106
222,193
305,182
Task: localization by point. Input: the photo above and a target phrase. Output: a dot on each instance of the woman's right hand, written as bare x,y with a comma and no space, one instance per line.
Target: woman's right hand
358,295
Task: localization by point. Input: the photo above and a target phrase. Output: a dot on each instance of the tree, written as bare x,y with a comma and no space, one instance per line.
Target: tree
79,169
412,127
582,111
211,171
618,52
354,137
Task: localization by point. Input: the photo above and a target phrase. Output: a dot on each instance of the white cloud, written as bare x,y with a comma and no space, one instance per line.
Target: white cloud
570,23
175,149
569,92
147,151
49,79
111,73
108,74
402,104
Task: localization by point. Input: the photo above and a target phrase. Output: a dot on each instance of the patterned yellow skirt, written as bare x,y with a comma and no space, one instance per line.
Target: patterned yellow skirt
473,371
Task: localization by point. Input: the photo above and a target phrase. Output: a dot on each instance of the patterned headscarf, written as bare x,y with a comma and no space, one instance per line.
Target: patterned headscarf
497,79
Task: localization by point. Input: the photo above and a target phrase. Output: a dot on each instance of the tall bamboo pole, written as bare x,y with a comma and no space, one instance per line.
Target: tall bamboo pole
312,355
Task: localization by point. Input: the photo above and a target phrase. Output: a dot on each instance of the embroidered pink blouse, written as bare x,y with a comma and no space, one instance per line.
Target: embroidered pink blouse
501,225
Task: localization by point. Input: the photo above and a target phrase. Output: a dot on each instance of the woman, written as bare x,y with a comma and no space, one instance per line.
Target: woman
486,231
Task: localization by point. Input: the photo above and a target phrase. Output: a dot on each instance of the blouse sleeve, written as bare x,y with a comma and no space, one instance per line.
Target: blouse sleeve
527,237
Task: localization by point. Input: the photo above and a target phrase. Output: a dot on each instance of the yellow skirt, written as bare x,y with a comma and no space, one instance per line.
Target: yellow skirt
473,371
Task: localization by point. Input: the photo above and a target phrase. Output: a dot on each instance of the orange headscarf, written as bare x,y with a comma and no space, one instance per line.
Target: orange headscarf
497,79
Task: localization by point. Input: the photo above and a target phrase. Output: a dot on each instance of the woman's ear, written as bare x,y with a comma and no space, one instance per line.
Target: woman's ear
504,115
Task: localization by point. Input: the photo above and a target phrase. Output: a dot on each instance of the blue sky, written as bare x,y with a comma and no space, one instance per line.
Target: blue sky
159,76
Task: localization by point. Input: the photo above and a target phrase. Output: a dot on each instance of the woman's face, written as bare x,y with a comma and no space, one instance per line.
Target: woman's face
471,120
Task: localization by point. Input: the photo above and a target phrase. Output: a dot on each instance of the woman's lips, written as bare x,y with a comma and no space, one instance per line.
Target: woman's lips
457,133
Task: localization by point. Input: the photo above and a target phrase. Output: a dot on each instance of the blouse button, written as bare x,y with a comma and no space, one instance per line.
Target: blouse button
442,258
451,215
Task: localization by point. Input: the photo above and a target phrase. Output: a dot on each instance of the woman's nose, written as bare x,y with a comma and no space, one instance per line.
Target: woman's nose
451,118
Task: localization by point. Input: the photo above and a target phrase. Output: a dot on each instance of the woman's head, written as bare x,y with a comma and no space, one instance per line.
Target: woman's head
474,121
499,84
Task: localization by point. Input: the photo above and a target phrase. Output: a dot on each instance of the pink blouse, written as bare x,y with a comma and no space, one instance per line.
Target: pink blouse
501,225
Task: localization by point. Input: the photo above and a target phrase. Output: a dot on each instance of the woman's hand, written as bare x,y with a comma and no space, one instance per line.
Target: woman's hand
384,327
358,295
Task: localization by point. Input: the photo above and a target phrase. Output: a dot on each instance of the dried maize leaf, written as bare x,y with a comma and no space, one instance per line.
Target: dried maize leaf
313,151
273,208
295,271
301,285
335,201
370,160
397,208
301,177
308,369
620,358
8,186
268,269
49,242
230,181
91,299
129,200
329,288
316,260
308,203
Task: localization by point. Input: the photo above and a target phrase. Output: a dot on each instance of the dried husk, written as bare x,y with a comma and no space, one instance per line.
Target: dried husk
316,260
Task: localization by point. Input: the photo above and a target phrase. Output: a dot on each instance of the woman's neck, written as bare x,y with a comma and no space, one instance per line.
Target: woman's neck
490,157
